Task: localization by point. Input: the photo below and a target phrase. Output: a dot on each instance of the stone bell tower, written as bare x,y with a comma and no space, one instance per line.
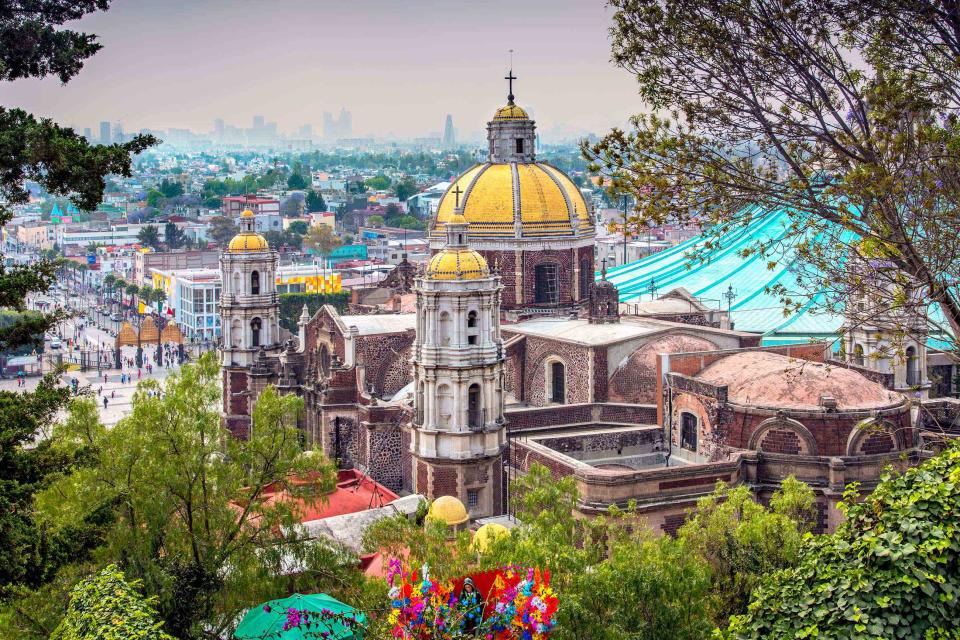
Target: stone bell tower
458,433
250,317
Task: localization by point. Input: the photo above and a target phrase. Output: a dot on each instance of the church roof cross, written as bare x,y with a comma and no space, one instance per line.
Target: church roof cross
456,192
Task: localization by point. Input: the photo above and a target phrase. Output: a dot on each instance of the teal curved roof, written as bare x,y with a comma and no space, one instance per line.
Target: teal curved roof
708,270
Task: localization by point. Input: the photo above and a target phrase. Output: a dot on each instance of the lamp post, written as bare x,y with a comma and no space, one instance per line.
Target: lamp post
729,295
625,229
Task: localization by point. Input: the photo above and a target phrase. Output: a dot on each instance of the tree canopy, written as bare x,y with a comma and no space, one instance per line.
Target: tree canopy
843,114
891,570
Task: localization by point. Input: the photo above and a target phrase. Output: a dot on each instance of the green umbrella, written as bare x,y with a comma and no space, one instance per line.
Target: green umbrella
300,616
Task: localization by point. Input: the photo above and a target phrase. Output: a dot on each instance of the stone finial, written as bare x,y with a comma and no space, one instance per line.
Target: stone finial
304,315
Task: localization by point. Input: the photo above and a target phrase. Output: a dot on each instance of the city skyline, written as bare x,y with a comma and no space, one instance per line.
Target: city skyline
192,74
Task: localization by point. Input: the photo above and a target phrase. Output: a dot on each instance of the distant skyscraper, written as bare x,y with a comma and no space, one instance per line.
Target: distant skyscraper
88,134
104,132
340,127
258,122
218,126
449,136
305,132
117,132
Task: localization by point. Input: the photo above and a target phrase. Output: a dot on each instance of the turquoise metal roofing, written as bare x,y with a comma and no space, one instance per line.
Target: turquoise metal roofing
707,272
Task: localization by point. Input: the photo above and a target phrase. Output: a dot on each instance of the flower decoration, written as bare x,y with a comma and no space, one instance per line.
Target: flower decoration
511,603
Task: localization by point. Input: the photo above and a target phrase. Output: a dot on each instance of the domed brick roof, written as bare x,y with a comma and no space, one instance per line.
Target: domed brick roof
766,379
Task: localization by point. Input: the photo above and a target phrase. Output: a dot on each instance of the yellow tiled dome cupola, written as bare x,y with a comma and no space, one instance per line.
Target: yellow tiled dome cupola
448,510
510,112
248,239
456,261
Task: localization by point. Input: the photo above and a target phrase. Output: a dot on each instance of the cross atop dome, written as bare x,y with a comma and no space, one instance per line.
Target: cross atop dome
510,78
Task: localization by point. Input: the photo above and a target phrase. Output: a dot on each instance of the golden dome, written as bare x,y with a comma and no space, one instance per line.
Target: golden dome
457,264
248,242
510,112
495,195
487,535
448,510
247,213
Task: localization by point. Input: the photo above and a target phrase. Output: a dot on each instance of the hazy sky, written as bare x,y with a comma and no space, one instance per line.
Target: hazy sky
399,65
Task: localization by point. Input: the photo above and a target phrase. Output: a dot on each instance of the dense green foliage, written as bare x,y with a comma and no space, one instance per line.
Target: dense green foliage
315,202
615,579
149,236
743,542
65,165
291,306
191,515
892,569
378,182
107,607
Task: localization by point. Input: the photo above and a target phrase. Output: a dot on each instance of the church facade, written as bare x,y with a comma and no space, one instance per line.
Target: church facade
517,354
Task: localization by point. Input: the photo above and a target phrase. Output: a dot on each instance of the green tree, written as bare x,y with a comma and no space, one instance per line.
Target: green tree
378,183
297,181
170,188
406,188
133,291
174,236
298,227
193,517
63,163
222,230
321,239
891,570
154,199
107,607
841,114
149,236
315,201
743,542
375,221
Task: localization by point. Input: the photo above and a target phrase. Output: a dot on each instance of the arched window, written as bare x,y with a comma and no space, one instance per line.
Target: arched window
445,328
858,354
913,373
255,326
557,382
444,405
475,417
472,328
236,333
688,431
418,403
255,283
546,284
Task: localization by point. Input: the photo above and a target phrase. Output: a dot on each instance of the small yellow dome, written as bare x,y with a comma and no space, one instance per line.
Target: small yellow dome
248,241
247,213
457,264
487,535
510,112
449,510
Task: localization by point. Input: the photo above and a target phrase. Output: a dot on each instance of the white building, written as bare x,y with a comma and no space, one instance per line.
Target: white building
193,296
118,234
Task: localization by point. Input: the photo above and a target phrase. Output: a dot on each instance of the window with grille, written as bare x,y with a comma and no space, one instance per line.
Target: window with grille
473,498
545,284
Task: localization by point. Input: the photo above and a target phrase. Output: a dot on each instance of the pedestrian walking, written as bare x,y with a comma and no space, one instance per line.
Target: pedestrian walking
138,373
104,402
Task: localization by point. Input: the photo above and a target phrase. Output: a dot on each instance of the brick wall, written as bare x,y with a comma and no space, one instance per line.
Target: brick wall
386,361
576,359
523,457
